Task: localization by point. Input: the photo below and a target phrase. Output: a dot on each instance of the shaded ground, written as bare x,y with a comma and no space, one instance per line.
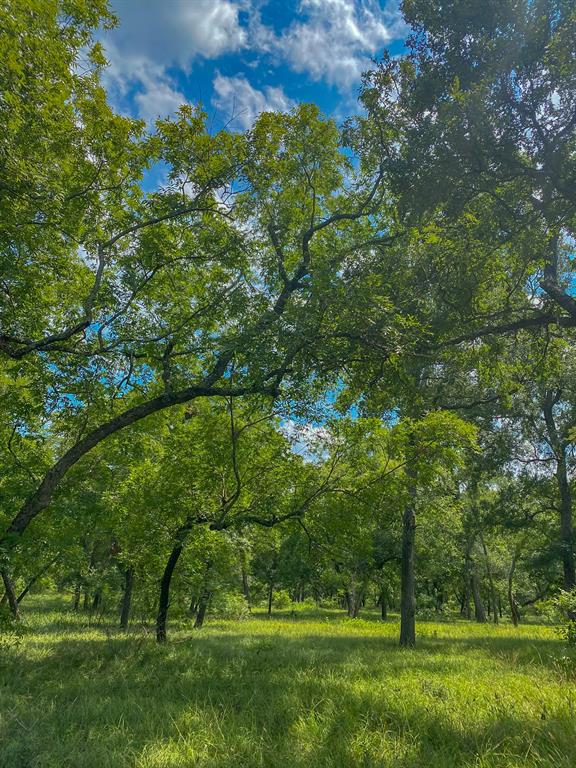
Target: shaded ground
319,690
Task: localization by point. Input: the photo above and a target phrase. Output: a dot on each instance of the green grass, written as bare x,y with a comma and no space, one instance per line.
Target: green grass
317,691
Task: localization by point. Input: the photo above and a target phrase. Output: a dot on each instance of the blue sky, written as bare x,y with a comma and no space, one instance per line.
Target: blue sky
240,57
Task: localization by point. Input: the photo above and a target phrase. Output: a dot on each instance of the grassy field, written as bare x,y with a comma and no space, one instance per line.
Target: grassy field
316,691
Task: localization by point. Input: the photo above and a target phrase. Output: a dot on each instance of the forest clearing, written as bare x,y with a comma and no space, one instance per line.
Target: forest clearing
287,383
306,688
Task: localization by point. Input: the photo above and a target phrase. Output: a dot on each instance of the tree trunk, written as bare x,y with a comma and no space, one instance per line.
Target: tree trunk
245,582
514,609
356,599
468,578
407,571
348,602
383,606
164,598
76,597
270,590
566,526
205,595
479,611
465,605
35,578
10,594
126,598
493,600
353,600
202,607
97,601
559,447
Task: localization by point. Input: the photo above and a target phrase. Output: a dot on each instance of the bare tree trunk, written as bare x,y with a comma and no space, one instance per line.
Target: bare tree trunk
353,599
466,611
493,599
205,595
35,578
559,447
383,605
77,593
566,526
479,611
202,607
407,571
245,582
270,590
165,582
126,598
96,601
468,567
10,594
514,609
348,602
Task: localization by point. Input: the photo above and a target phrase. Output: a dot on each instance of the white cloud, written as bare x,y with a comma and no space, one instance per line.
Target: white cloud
328,40
241,103
337,39
153,36
155,95
158,99
177,31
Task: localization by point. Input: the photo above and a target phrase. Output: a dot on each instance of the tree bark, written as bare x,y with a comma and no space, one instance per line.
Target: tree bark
559,448
270,591
204,599
493,599
514,610
96,601
383,606
407,570
77,593
566,524
245,582
35,578
468,566
165,582
126,598
202,607
479,610
10,594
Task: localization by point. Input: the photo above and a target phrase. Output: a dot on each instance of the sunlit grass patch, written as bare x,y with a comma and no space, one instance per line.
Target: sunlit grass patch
315,690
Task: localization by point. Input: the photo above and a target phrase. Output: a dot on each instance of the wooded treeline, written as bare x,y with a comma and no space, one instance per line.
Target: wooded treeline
331,360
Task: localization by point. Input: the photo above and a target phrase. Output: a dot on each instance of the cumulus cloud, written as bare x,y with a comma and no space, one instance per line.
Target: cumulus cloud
327,40
241,103
153,37
153,92
337,38
180,30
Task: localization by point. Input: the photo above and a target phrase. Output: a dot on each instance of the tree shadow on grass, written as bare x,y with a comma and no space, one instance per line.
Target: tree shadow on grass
240,699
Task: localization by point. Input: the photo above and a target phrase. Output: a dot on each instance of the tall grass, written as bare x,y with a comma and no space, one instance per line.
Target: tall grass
310,689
